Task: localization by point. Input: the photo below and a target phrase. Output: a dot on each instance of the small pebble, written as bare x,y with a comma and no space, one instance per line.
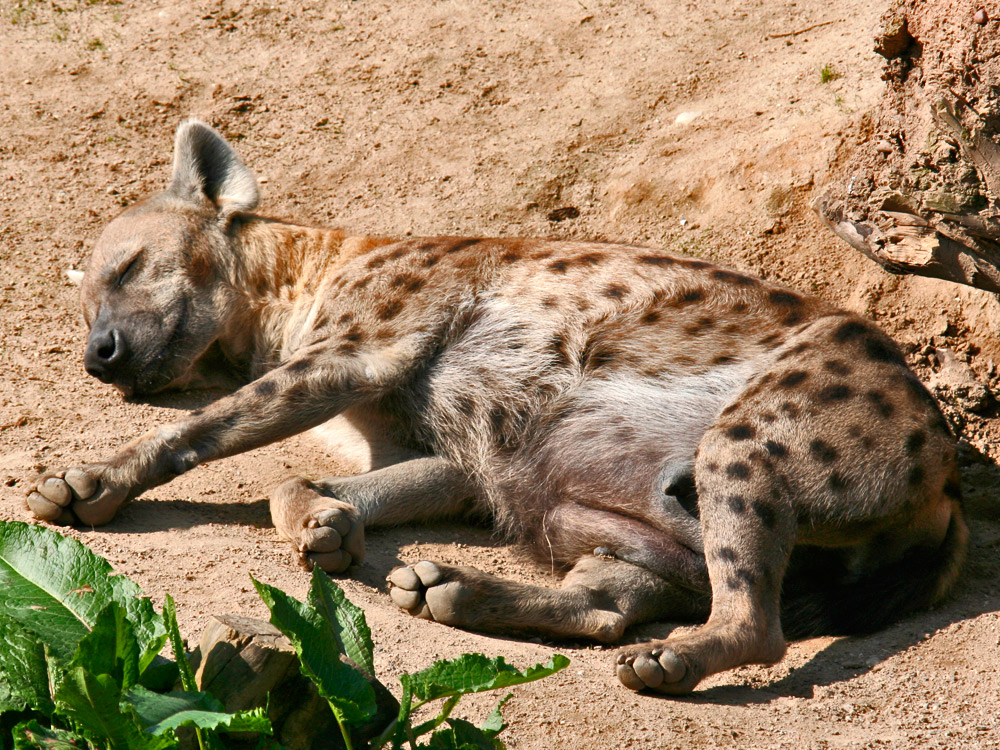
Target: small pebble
980,17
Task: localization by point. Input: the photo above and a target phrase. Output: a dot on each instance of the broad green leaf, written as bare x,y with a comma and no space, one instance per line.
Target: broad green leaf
111,647
432,724
318,648
56,587
348,620
177,644
474,673
160,712
461,735
494,723
161,674
31,735
24,678
93,704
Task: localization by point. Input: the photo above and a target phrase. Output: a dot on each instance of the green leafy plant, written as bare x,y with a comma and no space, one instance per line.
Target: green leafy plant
79,655
81,666
327,625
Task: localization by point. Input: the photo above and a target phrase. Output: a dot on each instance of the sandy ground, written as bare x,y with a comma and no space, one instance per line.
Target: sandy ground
697,126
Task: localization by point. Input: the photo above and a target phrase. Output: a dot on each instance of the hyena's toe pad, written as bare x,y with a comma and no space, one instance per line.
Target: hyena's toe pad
332,538
425,590
654,668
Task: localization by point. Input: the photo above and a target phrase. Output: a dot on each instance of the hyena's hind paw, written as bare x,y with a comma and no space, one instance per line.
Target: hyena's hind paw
75,496
327,533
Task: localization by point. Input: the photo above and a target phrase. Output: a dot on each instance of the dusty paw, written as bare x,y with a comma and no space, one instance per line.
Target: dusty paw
332,538
424,590
75,496
657,668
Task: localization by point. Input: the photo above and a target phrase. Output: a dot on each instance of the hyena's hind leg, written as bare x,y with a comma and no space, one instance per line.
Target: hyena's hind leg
598,599
608,588
325,520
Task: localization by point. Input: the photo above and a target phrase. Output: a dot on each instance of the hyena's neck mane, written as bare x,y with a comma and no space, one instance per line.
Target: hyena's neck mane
280,272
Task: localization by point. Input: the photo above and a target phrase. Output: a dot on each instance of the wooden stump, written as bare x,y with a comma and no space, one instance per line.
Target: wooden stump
241,661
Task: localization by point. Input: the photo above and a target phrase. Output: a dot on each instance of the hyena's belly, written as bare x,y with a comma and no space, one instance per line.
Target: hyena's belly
620,440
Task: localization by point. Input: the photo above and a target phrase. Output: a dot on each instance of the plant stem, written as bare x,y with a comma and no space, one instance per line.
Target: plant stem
344,732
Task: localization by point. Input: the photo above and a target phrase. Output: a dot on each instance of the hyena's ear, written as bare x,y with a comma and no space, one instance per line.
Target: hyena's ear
206,167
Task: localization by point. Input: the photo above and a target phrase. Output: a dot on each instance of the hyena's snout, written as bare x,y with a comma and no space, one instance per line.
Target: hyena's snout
107,353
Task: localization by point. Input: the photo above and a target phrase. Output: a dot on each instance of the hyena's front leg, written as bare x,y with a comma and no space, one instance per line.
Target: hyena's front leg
304,392
325,521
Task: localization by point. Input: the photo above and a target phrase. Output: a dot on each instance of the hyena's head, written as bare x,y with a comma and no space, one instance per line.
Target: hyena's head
155,292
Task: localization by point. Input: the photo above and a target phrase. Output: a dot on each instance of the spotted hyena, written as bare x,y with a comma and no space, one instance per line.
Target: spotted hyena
682,440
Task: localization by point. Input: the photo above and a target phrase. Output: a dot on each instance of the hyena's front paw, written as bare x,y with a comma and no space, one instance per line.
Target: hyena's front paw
76,496
332,537
655,666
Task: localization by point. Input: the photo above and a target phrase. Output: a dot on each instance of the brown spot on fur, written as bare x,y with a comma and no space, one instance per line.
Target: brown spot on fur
784,298
738,470
615,291
837,367
461,245
880,349
775,449
790,409
723,359
693,295
361,283
880,403
656,260
558,266
793,378
773,339
347,347
848,331
699,326
355,334
740,307
300,365
345,319
427,247
511,256
741,432
582,305
726,554
730,409
822,451
916,475
377,262
398,253
550,302
837,392
737,504
265,388
767,515
651,317
543,255
430,261
590,259
697,265
838,482
732,277
390,309
915,442
952,489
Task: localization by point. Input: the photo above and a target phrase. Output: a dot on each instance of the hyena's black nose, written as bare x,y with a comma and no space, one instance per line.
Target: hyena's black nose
106,350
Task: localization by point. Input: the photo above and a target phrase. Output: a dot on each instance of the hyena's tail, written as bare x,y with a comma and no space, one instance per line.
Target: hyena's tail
821,597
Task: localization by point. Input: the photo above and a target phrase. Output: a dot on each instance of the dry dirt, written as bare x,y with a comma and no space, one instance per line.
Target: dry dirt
700,126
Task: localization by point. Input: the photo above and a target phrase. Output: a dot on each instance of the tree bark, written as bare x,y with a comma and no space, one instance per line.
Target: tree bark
916,188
